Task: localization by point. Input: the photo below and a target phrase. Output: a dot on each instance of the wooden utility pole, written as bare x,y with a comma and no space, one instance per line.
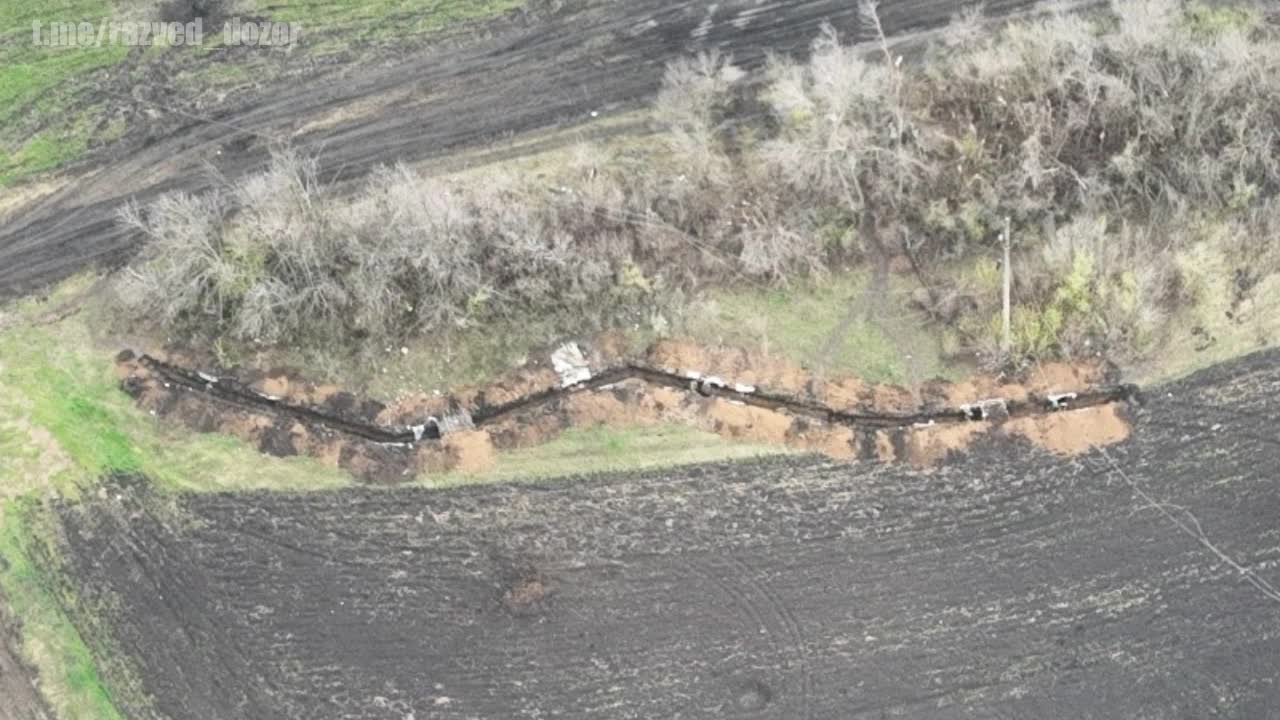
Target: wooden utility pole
1006,340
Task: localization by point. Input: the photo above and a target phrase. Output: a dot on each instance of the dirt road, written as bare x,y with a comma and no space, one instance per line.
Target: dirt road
590,56
1012,584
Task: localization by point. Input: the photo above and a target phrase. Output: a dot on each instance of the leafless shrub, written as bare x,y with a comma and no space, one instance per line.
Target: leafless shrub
966,28
279,257
695,89
1146,23
1117,132
188,276
689,192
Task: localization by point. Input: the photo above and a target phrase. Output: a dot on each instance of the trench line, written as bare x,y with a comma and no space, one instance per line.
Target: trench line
236,393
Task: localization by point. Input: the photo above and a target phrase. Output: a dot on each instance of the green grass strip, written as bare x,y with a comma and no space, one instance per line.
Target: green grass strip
69,678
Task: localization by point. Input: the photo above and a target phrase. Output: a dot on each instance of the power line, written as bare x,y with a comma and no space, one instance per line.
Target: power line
1187,522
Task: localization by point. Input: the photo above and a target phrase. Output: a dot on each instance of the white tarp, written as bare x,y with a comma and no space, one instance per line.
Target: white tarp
570,364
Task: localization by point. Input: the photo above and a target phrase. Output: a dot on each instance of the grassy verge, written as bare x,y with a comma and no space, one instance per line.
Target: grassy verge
43,88
837,324
69,678
1220,326
49,116
46,150
601,449
59,395
28,73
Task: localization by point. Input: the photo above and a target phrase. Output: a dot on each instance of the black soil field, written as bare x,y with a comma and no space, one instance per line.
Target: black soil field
1009,584
555,70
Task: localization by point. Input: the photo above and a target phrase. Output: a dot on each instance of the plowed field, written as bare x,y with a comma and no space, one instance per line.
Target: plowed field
1011,583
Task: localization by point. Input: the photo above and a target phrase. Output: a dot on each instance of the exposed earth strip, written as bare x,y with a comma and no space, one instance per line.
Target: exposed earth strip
738,395
229,390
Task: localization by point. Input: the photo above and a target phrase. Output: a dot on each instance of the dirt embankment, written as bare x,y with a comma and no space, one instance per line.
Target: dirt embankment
723,390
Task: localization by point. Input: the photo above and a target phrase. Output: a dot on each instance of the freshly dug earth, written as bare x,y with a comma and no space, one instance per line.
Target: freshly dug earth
1012,583
624,404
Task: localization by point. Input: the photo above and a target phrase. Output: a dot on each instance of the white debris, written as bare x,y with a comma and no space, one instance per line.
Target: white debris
207,377
986,409
453,423
744,389
570,364
1060,400
709,384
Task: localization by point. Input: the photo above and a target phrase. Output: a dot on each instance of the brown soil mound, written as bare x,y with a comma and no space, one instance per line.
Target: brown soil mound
931,445
1072,433
634,401
854,395
470,450
274,435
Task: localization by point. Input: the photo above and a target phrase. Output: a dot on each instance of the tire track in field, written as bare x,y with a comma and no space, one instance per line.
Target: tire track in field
595,56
